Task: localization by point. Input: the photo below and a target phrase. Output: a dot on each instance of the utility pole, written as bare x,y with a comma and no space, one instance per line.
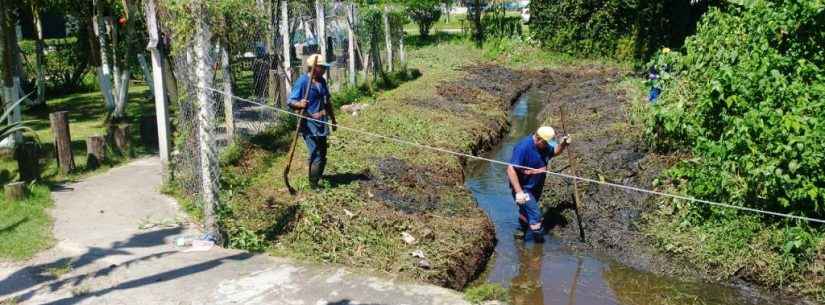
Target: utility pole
161,105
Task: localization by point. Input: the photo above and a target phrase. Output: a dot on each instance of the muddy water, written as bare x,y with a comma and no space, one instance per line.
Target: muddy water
546,273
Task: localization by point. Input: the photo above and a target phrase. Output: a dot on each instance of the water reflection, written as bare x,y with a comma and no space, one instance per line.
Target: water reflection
526,287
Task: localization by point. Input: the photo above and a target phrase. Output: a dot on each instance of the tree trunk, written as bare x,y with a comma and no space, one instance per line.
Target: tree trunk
351,44
95,151
401,56
104,74
228,102
206,118
122,86
62,141
41,58
286,45
387,37
15,191
119,138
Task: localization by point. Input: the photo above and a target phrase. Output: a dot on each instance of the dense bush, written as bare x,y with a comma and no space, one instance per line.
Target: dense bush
624,29
424,13
749,102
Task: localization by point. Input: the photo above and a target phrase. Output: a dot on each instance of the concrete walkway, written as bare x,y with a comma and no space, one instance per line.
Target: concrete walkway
115,244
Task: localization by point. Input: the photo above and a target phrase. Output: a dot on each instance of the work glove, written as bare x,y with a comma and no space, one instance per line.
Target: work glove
566,140
522,197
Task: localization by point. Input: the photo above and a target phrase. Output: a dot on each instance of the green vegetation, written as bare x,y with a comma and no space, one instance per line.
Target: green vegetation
746,101
25,226
486,292
87,116
424,13
370,191
621,29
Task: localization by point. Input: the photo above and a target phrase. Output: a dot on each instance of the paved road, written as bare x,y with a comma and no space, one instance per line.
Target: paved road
115,244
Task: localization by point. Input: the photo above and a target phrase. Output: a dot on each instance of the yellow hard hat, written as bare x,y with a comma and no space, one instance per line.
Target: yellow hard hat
316,58
546,133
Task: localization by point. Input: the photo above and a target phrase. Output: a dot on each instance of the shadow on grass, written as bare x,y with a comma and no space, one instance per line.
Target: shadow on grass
14,226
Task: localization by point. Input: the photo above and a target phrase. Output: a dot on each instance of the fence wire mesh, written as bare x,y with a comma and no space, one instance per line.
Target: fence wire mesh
240,53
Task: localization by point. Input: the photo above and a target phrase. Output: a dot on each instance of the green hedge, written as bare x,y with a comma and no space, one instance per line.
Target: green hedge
622,29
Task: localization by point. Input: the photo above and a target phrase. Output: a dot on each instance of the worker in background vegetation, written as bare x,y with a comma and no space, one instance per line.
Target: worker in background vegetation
317,106
535,152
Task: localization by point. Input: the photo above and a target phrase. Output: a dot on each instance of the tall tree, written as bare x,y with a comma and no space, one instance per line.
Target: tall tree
321,26
285,38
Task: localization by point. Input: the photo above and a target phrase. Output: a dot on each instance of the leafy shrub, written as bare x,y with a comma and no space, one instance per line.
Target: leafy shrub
424,13
749,102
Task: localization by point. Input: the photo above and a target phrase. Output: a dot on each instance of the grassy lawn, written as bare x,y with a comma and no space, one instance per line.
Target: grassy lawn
25,226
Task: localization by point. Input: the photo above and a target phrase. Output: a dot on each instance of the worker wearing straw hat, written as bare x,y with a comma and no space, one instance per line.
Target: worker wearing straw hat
317,106
533,152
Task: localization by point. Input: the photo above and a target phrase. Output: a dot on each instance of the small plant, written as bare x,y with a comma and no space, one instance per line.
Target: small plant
486,292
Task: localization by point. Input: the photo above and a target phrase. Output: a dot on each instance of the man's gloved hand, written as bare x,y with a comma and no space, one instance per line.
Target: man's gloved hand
522,197
566,140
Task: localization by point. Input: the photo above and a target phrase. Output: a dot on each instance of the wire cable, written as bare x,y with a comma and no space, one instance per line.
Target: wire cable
583,179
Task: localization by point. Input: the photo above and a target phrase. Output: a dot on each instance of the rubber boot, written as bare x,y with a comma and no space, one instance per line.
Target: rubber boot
316,169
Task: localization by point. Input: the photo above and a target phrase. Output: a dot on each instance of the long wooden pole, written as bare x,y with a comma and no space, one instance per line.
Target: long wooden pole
572,160
297,130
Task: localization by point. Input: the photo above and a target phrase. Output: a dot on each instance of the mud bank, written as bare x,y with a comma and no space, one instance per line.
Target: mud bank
608,147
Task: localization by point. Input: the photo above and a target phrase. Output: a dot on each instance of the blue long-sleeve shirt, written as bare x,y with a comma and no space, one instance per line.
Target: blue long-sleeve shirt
317,98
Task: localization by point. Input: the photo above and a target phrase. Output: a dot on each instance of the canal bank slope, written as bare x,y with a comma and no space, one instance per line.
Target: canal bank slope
385,207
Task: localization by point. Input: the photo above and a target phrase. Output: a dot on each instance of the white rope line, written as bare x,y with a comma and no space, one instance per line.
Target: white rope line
583,179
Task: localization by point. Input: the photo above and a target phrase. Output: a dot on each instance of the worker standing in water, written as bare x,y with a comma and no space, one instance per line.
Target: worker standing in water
533,152
315,101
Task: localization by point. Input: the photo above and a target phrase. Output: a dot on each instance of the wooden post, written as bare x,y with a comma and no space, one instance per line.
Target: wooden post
62,141
161,109
95,151
15,191
571,157
351,43
28,161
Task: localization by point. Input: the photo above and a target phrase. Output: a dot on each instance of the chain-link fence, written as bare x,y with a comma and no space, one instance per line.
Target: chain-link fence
229,72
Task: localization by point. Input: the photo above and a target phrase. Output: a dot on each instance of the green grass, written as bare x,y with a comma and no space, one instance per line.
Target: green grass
486,292
345,223
25,226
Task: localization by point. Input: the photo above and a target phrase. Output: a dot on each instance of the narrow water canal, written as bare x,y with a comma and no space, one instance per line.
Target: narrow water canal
547,274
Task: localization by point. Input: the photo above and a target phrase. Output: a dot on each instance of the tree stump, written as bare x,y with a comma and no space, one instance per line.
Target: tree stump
29,165
95,151
15,191
62,141
119,135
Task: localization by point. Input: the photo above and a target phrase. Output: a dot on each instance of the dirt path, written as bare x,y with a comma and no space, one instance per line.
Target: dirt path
115,244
